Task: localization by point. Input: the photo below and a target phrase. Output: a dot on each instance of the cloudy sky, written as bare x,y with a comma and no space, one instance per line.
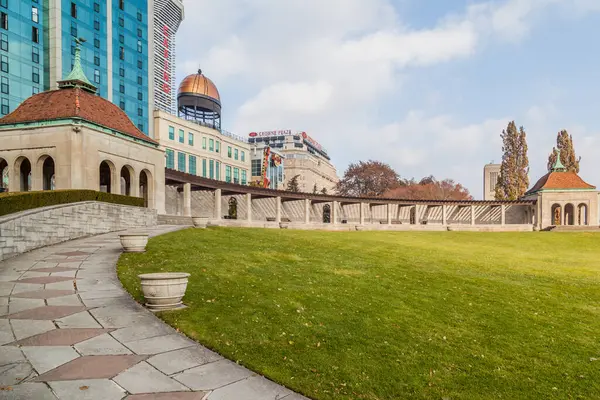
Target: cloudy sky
424,85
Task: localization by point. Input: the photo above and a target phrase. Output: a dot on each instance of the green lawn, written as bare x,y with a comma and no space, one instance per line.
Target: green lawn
392,315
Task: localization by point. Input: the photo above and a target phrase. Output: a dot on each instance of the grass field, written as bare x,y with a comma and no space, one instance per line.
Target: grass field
392,315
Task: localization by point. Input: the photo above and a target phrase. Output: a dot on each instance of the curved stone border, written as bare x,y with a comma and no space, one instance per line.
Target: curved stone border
67,326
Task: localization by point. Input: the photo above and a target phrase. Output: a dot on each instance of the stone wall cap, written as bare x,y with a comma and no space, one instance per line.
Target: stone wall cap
164,275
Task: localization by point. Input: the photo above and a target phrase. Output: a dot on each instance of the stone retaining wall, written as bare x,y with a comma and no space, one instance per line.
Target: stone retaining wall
32,229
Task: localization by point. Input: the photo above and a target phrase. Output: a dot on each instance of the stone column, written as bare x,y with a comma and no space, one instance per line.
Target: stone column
249,207
217,204
187,199
502,215
278,209
334,212
444,215
389,214
472,215
307,211
362,213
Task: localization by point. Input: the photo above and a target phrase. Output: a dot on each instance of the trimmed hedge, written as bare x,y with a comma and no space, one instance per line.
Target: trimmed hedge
20,201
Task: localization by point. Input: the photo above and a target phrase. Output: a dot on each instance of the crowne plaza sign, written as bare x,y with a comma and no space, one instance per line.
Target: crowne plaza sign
281,132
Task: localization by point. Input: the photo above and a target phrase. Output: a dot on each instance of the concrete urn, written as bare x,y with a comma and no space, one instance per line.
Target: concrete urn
134,242
359,228
164,291
200,222
284,225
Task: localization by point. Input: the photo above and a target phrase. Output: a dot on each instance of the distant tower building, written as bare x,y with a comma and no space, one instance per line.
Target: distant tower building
490,178
168,15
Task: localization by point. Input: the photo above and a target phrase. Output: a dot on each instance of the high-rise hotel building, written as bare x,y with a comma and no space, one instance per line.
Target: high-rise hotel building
37,49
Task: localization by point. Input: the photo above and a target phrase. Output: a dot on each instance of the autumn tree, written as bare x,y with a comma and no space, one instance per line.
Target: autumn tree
430,189
513,180
370,178
564,143
292,185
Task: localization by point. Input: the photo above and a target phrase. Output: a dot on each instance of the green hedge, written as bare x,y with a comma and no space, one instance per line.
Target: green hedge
20,201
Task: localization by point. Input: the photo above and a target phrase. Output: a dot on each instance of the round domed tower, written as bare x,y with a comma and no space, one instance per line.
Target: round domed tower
198,100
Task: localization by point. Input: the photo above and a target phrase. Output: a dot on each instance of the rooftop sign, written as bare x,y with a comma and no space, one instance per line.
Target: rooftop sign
281,132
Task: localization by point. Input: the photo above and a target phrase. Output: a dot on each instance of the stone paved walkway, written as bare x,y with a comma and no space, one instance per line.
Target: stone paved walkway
68,330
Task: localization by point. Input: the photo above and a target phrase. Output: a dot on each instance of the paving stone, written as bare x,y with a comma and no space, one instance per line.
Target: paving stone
90,367
110,301
28,391
254,388
45,358
79,320
139,332
17,305
214,375
101,294
14,373
160,344
71,300
33,274
3,301
43,294
11,354
121,321
101,345
27,287
47,312
143,378
179,360
43,280
3,310
6,288
26,328
61,337
6,335
54,269
168,396
66,285
73,253
88,389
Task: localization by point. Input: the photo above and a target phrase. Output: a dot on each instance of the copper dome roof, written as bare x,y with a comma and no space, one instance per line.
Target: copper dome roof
198,84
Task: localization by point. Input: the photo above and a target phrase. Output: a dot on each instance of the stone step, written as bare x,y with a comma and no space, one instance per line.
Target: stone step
575,228
174,220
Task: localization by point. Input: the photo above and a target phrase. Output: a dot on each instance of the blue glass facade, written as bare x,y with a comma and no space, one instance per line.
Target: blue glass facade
117,26
21,52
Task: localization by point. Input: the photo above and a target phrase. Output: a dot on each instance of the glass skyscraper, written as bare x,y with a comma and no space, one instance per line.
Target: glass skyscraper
37,49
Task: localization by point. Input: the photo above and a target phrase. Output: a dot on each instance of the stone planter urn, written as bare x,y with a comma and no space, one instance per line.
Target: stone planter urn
164,291
359,228
134,242
284,225
200,222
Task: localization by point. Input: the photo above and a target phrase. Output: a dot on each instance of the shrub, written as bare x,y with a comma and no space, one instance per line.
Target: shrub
20,201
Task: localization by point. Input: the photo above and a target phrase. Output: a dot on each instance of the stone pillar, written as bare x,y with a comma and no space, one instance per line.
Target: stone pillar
187,199
502,215
472,215
389,214
307,211
218,204
362,213
444,215
334,212
278,209
249,207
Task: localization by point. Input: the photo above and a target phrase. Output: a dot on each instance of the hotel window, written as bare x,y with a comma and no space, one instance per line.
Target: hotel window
122,4
121,53
192,164
140,126
121,39
243,156
35,90
229,151
140,64
244,178
121,22
35,75
236,175
96,58
4,64
96,43
96,76
140,80
256,167
170,159
204,143
5,108
211,168
235,154
4,85
35,34
211,145
35,55
4,20
181,136
218,171
73,29
228,174
139,16
171,133
121,87
3,42
122,71
218,146
140,112
96,23
139,32
122,104
97,7
140,96
191,139
73,10
181,162
204,168
139,46
35,17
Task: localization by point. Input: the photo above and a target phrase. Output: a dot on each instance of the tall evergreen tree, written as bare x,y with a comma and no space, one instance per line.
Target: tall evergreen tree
292,185
564,143
513,179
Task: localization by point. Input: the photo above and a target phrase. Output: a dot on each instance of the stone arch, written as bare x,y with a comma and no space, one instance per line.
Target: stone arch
46,171
326,214
126,180
106,172
146,186
582,214
569,214
23,168
232,209
4,175
556,216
